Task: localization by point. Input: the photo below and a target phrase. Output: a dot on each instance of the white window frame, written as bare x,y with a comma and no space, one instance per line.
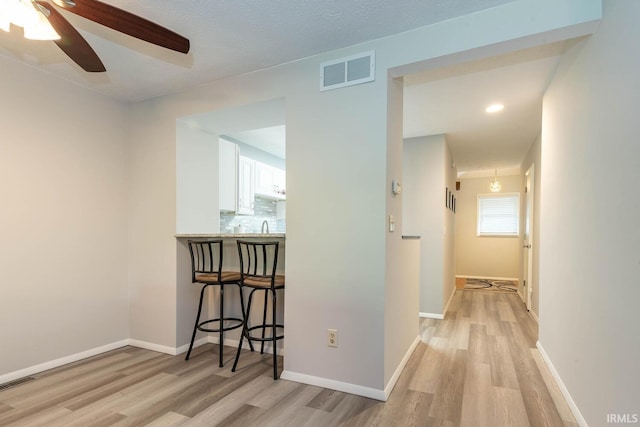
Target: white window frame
498,233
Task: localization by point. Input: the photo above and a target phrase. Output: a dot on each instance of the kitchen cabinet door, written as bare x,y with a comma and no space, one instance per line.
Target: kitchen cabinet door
228,175
246,189
264,179
270,181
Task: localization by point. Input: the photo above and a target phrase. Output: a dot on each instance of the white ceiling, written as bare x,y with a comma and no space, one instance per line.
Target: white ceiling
233,37
270,139
452,101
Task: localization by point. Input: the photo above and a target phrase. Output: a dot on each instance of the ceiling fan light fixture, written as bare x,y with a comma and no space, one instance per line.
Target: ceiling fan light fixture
5,21
40,29
26,14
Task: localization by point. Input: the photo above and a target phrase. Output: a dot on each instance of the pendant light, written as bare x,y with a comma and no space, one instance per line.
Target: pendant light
495,185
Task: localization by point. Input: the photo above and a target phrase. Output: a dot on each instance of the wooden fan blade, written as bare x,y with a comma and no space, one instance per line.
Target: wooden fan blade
126,22
72,43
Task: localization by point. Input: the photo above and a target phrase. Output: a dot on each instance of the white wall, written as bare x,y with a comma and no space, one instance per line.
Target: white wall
589,234
402,281
449,234
533,157
427,173
63,221
197,205
492,257
423,213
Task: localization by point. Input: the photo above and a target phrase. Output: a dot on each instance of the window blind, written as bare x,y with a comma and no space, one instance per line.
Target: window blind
498,214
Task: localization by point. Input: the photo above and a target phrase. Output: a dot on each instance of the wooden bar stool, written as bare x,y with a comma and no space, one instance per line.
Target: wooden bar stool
206,268
258,262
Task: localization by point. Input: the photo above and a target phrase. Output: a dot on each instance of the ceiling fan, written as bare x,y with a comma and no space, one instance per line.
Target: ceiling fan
78,49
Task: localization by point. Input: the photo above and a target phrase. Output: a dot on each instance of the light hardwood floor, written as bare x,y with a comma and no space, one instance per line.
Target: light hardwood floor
478,367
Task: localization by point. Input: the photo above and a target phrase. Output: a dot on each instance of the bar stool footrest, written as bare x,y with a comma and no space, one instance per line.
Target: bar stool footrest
266,328
238,324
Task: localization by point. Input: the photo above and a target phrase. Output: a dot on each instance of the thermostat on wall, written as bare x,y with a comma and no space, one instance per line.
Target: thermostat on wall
395,187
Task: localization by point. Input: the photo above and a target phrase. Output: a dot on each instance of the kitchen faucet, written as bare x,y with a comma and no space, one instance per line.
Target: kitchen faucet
265,223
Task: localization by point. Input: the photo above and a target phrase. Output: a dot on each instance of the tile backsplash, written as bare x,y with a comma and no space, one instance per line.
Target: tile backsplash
263,209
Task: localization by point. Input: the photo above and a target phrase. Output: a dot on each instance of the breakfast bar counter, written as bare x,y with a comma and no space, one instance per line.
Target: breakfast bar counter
232,236
230,259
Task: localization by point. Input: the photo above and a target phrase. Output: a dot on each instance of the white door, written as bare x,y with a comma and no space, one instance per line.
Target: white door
527,261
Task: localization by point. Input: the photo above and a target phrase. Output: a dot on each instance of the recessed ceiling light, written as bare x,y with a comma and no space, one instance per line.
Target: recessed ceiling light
494,108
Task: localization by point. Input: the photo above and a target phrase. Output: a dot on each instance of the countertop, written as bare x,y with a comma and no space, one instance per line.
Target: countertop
232,236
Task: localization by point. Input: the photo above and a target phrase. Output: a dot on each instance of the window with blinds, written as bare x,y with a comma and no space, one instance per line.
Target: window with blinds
498,214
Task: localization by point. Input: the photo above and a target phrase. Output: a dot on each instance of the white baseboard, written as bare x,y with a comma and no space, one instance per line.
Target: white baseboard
172,351
359,390
438,315
446,307
394,378
60,362
432,315
534,316
563,389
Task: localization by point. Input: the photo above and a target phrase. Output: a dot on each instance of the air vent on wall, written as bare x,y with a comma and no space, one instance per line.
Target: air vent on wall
348,71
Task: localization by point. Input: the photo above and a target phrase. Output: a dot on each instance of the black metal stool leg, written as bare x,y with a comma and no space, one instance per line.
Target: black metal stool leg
195,327
244,315
221,329
264,319
245,331
273,336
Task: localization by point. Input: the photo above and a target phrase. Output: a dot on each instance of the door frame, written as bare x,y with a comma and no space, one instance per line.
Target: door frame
527,237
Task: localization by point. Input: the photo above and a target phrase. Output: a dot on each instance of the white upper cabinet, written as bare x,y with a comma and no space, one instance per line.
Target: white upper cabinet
246,185
228,175
270,181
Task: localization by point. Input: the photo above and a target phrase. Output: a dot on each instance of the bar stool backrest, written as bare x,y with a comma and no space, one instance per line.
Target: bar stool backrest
206,257
258,260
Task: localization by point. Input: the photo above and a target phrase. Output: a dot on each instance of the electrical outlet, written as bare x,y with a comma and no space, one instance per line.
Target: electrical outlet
332,337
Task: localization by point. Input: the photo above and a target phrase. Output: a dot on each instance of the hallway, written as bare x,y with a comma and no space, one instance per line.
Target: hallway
478,367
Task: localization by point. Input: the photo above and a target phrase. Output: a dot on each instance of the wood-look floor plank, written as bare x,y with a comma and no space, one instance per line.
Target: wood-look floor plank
170,419
447,399
245,416
505,313
276,392
348,408
5,408
538,402
503,372
327,400
292,410
46,383
428,373
230,401
511,412
477,410
42,418
480,343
